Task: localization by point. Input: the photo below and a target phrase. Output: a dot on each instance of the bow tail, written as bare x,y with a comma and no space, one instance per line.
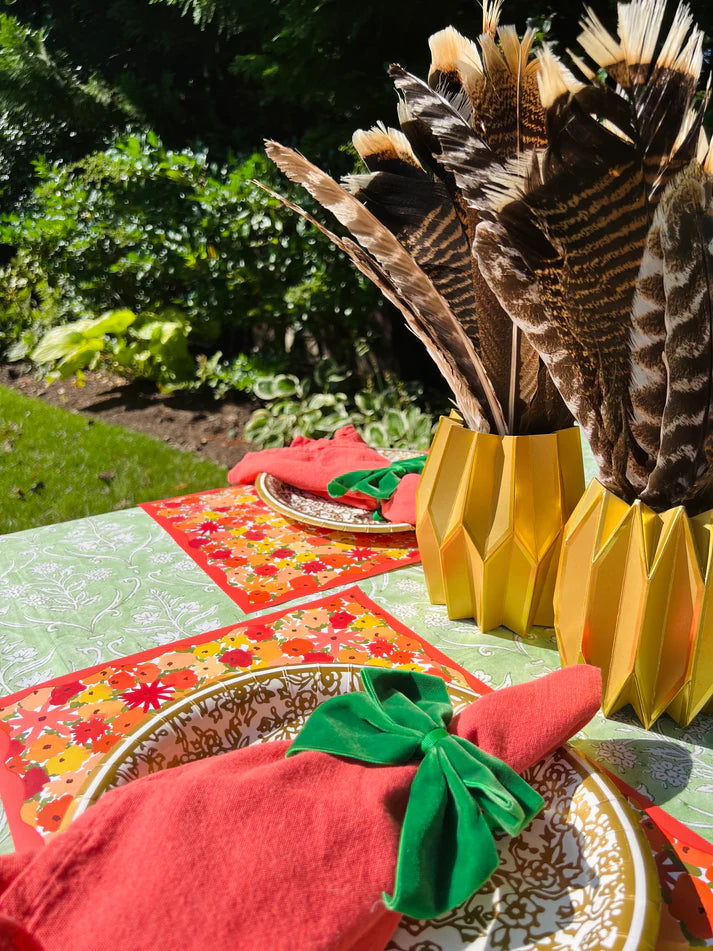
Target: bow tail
446,851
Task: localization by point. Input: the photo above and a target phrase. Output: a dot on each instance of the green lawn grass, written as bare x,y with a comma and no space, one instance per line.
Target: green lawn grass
56,465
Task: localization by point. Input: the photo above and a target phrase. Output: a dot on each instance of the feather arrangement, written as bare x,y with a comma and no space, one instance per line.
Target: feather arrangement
600,248
415,211
548,234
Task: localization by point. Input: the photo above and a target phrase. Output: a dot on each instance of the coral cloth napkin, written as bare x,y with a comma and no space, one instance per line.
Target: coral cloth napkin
311,464
255,850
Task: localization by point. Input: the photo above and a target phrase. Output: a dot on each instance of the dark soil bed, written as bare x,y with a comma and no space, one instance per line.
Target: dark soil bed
189,421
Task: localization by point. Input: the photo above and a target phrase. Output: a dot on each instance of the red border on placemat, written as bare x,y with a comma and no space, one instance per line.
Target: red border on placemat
12,788
217,575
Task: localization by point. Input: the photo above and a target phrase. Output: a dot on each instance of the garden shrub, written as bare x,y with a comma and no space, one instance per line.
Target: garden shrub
143,228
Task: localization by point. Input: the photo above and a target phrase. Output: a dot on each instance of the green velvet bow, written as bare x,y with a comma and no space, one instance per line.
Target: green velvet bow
378,483
458,797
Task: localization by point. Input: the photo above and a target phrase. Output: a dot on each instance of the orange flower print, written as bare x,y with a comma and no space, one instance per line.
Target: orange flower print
351,655
297,646
104,744
50,816
126,722
181,679
401,657
47,746
267,651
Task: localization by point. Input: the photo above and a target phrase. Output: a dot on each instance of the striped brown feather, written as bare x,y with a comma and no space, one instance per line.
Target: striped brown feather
447,335
469,406
648,336
687,420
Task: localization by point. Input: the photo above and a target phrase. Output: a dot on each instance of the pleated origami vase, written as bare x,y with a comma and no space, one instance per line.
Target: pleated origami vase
634,598
491,512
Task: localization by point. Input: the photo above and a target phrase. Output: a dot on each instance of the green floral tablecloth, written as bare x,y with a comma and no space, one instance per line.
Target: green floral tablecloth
79,593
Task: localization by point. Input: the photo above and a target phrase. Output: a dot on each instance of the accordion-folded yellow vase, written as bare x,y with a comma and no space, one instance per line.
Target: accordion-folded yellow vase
634,596
491,512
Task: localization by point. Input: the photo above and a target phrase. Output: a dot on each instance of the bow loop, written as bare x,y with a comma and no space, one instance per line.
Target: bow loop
458,797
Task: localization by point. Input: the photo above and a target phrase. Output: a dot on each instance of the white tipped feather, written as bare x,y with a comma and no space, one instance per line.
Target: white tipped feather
671,50
639,28
554,79
380,140
449,49
597,42
491,15
582,66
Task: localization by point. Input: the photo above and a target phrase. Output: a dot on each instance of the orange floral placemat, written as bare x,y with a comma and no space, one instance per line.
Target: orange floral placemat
261,559
54,736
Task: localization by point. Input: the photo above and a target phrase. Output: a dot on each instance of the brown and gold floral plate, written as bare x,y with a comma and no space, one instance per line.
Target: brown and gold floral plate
301,506
581,876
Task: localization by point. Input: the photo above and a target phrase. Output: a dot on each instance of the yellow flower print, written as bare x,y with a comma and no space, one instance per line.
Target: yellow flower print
68,761
207,650
367,621
94,693
234,640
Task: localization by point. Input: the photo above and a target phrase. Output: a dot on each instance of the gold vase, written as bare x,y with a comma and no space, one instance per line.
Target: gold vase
490,516
634,597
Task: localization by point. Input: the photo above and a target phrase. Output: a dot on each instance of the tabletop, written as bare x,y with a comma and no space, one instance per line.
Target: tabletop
84,593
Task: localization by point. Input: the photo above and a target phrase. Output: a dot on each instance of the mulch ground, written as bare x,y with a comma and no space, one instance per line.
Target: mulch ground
195,423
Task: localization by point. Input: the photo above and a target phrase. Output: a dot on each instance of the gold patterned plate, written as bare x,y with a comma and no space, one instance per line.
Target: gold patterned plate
309,509
581,876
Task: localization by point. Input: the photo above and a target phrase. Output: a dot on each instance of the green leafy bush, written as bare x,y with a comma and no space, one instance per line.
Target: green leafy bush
142,228
385,418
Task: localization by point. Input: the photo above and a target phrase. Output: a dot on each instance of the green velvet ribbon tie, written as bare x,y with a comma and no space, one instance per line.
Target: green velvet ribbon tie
378,483
459,796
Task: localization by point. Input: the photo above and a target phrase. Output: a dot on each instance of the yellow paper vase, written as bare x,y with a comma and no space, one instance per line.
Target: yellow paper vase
491,512
634,597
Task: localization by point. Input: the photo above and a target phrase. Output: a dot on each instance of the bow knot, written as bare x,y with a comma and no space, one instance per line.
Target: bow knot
377,483
458,797
432,738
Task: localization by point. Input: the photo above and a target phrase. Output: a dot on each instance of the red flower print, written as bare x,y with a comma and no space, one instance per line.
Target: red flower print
181,679
318,657
312,567
381,648
35,779
302,584
360,554
171,505
237,658
148,696
254,535
259,633
208,527
92,729
341,619
297,646
197,542
222,508
50,816
64,692
220,553
266,570
282,552
15,748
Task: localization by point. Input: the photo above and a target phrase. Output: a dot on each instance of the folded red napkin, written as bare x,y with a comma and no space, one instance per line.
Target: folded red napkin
254,850
311,464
